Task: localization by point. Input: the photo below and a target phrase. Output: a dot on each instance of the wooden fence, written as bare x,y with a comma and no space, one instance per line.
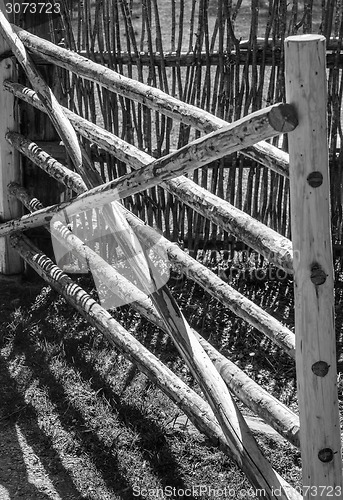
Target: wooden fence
224,57
217,415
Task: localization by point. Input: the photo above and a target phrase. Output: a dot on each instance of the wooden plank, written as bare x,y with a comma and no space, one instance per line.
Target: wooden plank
306,88
10,170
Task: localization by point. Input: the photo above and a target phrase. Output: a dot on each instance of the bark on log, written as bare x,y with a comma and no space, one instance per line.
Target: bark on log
259,473
47,97
32,204
44,161
151,97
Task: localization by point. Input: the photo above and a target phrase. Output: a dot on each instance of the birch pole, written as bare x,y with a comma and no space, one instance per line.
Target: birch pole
10,262
306,89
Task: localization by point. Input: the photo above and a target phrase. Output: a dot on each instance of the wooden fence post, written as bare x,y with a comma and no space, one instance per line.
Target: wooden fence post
306,89
10,262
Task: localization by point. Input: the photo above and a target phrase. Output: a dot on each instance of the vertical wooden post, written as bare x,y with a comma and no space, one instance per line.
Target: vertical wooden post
306,89
10,262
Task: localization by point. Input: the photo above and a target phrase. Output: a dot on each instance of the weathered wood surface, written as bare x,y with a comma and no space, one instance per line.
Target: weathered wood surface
306,88
47,97
233,137
10,263
44,161
273,158
116,334
151,97
211,283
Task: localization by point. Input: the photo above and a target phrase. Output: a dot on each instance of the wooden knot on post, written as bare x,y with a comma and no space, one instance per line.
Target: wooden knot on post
320,368
325,455
283,118
318,275
315,179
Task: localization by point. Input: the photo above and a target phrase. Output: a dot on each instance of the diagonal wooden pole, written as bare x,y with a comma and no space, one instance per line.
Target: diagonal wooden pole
306,88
